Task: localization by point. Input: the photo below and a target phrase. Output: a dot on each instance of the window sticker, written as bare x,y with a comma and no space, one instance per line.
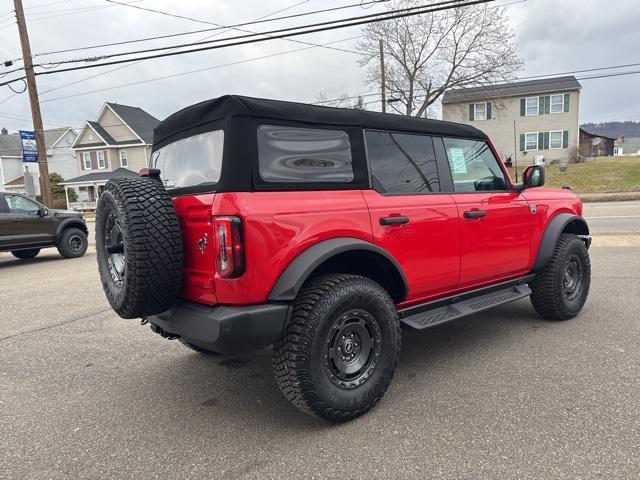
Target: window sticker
457,160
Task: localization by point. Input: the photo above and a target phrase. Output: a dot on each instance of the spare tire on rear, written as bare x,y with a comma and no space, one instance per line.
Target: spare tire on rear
139,247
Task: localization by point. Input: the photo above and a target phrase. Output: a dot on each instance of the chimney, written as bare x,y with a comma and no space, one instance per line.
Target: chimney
4,131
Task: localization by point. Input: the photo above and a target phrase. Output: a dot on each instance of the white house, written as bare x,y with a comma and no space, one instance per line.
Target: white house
117,144
60,158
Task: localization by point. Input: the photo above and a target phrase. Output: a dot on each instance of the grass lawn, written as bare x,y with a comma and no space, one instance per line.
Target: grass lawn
604,174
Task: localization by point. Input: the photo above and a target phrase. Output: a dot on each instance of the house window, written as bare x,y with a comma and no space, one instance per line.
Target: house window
617,151
532,106
124,161
531,141
555,139
557,104
100,156
480,111
86,160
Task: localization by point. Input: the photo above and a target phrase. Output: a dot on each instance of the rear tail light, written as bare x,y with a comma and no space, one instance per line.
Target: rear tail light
229,246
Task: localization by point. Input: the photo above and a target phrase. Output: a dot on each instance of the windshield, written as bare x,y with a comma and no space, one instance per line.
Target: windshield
191,161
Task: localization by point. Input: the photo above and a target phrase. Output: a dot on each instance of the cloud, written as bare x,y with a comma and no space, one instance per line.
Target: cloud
554,36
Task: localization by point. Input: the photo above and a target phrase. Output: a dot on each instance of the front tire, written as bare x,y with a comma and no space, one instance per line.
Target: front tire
73,243
25,254
560,289
340,348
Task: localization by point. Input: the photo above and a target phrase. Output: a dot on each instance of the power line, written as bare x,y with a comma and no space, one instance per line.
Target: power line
134,63
193,71
171,35
312,28
220,26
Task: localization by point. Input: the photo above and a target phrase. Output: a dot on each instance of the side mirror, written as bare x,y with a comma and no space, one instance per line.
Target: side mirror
42,212
533,176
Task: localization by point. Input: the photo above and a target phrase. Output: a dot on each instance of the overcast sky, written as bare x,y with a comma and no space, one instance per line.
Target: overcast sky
553,36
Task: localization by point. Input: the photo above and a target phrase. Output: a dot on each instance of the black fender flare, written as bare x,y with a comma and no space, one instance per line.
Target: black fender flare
555,228
298,271
75,222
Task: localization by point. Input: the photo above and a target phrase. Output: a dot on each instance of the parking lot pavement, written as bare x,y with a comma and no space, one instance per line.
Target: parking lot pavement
503,394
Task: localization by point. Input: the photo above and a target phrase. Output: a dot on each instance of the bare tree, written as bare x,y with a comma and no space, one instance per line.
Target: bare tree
430,53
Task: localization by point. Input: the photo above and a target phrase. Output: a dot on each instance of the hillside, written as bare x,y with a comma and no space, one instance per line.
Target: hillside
614,129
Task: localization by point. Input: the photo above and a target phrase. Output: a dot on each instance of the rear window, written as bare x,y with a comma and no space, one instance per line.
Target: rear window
191,161
402,163
290,154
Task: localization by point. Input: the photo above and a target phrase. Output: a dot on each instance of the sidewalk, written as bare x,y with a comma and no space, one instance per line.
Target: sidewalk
609,197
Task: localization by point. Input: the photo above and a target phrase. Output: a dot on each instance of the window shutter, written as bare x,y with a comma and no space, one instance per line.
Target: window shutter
488,110
545,144
522,142
540,105
471,112
565,137
540,140
566,102
522,107
547,104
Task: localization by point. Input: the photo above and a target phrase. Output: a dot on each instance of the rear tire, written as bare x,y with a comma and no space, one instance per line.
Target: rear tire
340,348
25,254
560,289
138,246
73,243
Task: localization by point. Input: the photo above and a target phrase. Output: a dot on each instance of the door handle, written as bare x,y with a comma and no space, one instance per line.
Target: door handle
475,214
394,220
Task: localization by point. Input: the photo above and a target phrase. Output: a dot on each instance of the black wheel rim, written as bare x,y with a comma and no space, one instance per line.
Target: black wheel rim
75,243
573,276
352,348
114,249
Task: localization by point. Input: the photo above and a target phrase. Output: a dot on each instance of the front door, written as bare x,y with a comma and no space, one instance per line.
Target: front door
23,226
410,217
494,218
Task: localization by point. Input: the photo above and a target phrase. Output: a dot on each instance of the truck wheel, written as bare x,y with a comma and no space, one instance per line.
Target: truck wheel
139,247
560,289
73,243
25,254
340,348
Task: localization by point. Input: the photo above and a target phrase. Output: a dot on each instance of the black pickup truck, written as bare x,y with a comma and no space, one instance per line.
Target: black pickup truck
27,226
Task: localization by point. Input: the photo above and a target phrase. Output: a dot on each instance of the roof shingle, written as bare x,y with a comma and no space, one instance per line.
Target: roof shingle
512,89
140,121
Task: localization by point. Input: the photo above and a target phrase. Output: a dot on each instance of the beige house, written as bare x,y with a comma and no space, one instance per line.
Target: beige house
117,144
527,121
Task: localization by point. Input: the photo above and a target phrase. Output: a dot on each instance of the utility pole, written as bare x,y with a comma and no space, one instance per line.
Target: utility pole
382,78
45,187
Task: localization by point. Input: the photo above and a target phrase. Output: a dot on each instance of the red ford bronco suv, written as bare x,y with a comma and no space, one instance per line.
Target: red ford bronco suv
321,231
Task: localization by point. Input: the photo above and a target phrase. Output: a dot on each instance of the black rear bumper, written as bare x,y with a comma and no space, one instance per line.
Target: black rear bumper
222,329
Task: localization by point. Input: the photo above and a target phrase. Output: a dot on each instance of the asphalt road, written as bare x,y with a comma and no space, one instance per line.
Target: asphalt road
499,395
613,217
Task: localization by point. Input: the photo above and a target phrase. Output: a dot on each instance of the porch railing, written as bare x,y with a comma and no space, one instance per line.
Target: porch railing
82,206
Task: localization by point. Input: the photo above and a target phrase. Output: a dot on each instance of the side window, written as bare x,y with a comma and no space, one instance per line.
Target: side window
402,163
473,166
21,205
290,154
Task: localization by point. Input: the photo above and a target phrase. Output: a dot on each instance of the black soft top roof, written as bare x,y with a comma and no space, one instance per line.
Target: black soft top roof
209,111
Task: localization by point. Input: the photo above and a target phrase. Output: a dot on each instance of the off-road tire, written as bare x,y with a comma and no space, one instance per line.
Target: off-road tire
548,288
300,355
196,348
73,243
150,235
25,254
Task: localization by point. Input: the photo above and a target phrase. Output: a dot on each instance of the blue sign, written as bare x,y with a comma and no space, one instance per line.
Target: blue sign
29,146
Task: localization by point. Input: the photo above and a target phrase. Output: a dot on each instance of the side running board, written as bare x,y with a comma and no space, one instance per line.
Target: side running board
452,308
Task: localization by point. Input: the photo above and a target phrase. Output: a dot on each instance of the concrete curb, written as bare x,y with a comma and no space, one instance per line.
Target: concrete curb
609,197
